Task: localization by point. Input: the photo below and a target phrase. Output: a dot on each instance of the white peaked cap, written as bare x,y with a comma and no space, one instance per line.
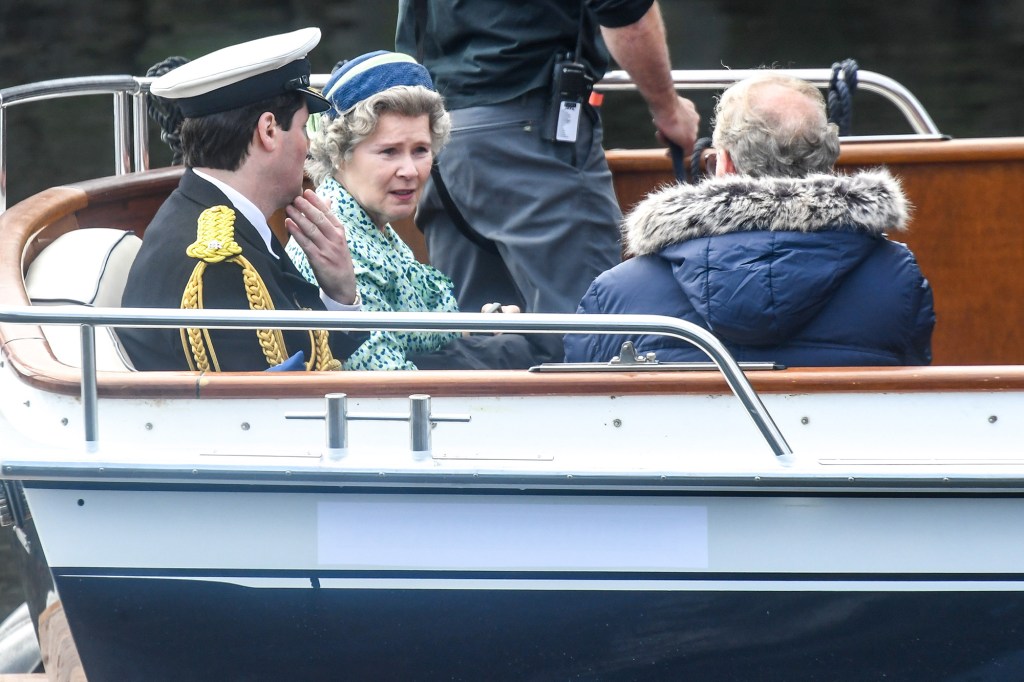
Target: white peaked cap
244,74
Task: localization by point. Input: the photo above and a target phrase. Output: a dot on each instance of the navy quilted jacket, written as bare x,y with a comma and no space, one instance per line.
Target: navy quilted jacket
834,292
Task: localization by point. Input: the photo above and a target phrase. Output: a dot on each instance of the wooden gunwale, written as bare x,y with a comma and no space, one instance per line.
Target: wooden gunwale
128,202
979,150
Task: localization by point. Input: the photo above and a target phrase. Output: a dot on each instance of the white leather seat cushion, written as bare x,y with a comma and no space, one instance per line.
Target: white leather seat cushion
84,267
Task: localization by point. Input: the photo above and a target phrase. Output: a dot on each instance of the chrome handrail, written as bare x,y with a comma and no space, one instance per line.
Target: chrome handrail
129,136
869,81
364,321
131,93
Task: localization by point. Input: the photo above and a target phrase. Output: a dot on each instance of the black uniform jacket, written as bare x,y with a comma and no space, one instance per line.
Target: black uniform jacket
162,269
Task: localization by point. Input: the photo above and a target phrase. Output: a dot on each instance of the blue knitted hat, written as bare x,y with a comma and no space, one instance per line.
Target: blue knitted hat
374,72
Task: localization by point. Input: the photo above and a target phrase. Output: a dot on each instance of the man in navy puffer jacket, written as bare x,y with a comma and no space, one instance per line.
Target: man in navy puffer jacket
781,259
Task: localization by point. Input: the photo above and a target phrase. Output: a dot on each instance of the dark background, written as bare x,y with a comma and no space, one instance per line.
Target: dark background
961,59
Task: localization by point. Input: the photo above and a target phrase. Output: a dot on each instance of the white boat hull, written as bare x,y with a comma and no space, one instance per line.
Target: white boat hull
194,582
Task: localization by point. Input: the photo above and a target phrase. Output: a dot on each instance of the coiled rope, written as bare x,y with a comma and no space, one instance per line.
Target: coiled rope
841,88
696,172
215,243
166,112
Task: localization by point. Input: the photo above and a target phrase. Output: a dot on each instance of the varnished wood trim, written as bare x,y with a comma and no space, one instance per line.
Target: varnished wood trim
241,385
980,150
859,153
499,383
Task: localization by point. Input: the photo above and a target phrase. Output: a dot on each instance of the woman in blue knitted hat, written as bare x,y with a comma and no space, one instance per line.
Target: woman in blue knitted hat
370,156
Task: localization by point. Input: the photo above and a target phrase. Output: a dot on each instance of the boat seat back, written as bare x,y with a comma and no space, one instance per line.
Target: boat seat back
87,267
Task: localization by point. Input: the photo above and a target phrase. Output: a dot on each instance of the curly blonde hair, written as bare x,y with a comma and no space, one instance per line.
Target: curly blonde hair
334,139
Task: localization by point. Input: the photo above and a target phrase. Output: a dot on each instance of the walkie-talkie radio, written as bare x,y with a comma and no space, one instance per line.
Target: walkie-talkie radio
570,86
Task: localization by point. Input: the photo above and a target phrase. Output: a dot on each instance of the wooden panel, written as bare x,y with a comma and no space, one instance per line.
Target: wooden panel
127,203
967,241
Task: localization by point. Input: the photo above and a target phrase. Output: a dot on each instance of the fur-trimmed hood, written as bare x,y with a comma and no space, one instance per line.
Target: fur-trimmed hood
870,202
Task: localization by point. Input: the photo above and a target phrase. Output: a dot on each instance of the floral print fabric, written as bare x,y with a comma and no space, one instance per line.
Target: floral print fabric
389,278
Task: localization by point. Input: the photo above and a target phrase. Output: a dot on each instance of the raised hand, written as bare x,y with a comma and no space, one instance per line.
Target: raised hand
322,237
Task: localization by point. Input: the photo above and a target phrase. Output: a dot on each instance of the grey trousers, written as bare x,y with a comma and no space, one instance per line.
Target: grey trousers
549,207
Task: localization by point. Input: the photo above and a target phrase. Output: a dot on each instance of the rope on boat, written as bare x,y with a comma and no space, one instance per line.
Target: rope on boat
696,172
841,88
166,112
675,152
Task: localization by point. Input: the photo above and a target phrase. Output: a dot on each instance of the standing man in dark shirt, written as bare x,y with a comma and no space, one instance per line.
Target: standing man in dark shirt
529,218
210,244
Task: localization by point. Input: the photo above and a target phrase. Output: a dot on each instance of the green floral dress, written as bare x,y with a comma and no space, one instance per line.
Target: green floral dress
389,278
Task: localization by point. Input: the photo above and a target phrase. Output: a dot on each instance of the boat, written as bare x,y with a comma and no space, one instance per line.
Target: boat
630,520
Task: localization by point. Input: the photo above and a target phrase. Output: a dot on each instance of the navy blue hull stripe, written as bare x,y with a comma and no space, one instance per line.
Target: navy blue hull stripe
154,630
538,575
422,487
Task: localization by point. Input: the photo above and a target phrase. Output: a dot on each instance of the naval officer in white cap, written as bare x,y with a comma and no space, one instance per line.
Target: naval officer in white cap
210,244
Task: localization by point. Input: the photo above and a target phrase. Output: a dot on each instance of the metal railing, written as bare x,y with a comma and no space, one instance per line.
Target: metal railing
869,81
364,321
131,123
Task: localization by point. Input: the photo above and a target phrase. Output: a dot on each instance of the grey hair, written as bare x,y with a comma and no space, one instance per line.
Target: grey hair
332,142
766,140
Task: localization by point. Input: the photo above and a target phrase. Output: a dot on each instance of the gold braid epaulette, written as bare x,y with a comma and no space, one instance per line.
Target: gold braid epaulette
215,243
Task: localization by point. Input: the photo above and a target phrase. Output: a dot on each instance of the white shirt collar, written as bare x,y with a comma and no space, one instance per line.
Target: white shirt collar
247,208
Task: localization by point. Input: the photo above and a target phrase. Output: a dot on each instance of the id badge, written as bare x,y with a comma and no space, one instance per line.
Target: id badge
568,124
